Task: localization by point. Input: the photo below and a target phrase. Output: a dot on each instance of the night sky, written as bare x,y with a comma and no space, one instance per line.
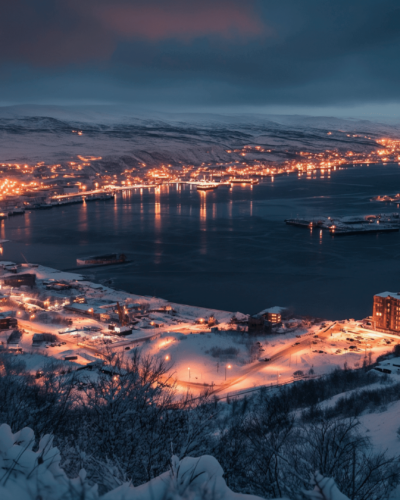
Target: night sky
279,55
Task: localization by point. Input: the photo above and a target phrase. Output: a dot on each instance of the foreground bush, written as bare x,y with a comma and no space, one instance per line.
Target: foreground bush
28,474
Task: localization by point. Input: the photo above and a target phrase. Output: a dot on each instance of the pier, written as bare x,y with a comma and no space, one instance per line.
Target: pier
382,223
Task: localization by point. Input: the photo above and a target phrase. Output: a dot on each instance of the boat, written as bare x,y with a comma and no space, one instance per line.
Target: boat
207,186
235,180
67,201
100,197
41,206
102,260
16,211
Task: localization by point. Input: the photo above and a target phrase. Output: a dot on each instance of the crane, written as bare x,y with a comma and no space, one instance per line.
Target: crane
121,315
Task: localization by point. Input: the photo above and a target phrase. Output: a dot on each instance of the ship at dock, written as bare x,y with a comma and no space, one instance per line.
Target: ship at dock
102,260
16,211
235,180
207,186
381,223
81,198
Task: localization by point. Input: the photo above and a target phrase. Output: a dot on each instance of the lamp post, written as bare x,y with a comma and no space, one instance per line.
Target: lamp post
229,367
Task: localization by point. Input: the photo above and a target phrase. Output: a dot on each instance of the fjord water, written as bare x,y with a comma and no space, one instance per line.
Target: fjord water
230,248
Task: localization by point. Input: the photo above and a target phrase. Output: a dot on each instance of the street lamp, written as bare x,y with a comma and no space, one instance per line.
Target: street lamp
229,366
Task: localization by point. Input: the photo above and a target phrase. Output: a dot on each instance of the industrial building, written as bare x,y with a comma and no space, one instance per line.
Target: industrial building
386,312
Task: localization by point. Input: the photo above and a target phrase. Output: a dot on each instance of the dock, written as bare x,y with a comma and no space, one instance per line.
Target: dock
381,223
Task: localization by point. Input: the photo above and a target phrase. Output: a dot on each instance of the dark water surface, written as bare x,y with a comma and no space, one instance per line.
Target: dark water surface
229,249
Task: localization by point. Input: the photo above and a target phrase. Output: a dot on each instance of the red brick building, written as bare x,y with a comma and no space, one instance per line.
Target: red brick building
386,311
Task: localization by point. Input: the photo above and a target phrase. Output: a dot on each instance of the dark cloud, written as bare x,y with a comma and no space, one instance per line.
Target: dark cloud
208,52
57,32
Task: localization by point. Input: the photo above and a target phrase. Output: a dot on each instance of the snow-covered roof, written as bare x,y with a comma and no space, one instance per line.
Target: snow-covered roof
396,295
84,308
272,310
90,284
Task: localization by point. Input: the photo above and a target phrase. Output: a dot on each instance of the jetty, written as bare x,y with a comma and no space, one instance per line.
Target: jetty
381,223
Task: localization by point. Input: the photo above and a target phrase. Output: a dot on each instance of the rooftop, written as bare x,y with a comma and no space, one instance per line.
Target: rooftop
396,295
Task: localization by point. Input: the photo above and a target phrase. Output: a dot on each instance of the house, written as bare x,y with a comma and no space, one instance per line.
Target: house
258,323
44,337
58,285
7,323
19,280
86,310
167,309
120,330
273,315
14,337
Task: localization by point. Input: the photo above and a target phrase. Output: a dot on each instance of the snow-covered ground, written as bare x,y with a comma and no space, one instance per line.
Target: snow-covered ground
225,358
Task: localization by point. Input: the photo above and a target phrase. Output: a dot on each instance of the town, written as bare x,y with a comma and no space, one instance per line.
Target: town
91,178
60,319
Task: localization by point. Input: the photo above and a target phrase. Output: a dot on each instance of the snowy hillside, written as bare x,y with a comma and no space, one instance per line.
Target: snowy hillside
45,133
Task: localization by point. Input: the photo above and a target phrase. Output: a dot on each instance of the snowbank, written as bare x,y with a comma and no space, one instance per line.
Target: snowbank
26,475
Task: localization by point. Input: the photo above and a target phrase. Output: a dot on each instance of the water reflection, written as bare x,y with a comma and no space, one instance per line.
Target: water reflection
157,210
186,248
83,221
203,207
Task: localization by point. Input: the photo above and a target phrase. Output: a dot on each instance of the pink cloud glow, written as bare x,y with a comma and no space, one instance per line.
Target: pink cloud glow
182,19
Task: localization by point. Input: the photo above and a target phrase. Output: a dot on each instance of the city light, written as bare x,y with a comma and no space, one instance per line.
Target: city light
48,184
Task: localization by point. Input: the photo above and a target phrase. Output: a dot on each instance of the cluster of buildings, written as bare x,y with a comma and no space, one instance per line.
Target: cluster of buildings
30,293
35,186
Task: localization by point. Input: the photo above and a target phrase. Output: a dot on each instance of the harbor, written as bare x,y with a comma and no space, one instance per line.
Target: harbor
138,223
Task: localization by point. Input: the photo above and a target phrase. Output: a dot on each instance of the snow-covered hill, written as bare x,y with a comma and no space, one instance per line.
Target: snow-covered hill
45,133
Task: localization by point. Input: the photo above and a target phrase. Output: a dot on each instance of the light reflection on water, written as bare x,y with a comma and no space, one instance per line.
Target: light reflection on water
229,248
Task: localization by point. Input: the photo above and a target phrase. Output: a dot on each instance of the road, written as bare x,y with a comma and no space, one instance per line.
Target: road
39,329
255,367
232,381
293,349
259,365
95,350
